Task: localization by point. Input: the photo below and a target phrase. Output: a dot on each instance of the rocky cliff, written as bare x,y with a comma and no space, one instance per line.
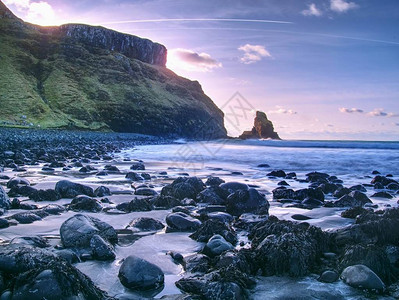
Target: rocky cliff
84,77
263,129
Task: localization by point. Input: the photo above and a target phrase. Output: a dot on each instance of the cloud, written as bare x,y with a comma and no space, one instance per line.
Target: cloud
312,11
379,112
191,61
396,124
36,12
282,110
253,53
342,6
351,110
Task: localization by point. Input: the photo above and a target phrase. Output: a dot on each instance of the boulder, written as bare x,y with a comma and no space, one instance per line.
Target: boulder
246,201
233,186
212,181
385,195
360,276
78,230
44,195
216,246
16,181
26,217
146,224
214,227
5,202
165,202
328,276
262,129
214,195
137,166
85,203
136,204
102,191
145,192
181,222
68,189
133,176
138,274
277,173
101,249
184,187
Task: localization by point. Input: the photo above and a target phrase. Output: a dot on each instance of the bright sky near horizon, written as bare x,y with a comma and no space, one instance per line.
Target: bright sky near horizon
320,69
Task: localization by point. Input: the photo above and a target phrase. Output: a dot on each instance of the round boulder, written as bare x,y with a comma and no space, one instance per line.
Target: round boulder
360,276
138,274
181,222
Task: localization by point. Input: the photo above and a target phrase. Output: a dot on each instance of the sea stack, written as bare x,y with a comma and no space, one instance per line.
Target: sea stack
263,129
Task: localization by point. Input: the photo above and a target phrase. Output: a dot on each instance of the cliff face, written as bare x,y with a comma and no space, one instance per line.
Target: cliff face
84,77
263,129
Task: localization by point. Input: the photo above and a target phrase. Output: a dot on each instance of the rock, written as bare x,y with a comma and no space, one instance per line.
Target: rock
360,276
184,187
284,247
101,249
181,222
68,189
84,203
39,274
53,209
5,202
328,276
3,223
102,191
277,173
220,216
78,230
246,201
385,195
165,202
317,177
263,129
212,181
146,176
300,217
355,198
197,263
133,176
111,169
216,246
393,186
382,180
146,192
359,188
146,224
314,193
21,190
311,203
33,241
342,191
137,166
353,212
138,274
233,186
328,188
283,193
26,217
16,181
263,166
214,227
214,195
135,205
283,183
44,195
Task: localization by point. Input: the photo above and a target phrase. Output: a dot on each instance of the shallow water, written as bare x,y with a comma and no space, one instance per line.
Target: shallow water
352,162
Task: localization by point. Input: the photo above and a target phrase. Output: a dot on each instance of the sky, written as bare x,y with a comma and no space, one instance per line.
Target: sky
320,69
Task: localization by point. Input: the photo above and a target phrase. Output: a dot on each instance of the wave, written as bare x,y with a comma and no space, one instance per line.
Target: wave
316,144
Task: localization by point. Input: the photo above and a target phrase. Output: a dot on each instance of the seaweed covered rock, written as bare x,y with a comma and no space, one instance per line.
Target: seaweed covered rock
44,195
85,203
137,204
211,227
5,202
146,224
165,202
39,274
214,195
285,247
78,231
184,187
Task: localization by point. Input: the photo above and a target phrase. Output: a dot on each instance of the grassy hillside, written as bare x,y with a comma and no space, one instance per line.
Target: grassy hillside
54,82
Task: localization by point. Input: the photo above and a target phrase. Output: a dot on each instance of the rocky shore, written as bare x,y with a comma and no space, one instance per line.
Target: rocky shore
81,221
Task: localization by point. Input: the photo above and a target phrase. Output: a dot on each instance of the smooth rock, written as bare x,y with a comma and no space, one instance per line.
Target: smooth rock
360,276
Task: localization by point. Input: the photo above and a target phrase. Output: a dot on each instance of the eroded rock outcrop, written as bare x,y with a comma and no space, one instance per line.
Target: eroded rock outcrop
263,129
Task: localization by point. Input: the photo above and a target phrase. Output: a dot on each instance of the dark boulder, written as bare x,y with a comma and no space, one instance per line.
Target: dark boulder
328,276
5,202
68,189
233,186
385,195
138,274
85,203
314,193
214,195
317,177
137,166
353,212
133,176
181,222
165,202
212,181
341,191
246,201
26,217
146,224
44,195
283,193
197,263
17,181
101,249
78,230
213,227
353,199
383,180
137,204
184,187
216,246
145,192
102,191
277,173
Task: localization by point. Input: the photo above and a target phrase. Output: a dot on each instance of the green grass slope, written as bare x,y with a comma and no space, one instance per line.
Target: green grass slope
51,81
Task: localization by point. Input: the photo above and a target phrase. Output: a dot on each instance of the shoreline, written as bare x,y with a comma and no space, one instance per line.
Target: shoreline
134,186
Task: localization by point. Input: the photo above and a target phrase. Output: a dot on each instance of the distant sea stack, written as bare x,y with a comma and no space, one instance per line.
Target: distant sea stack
92,78
263,129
